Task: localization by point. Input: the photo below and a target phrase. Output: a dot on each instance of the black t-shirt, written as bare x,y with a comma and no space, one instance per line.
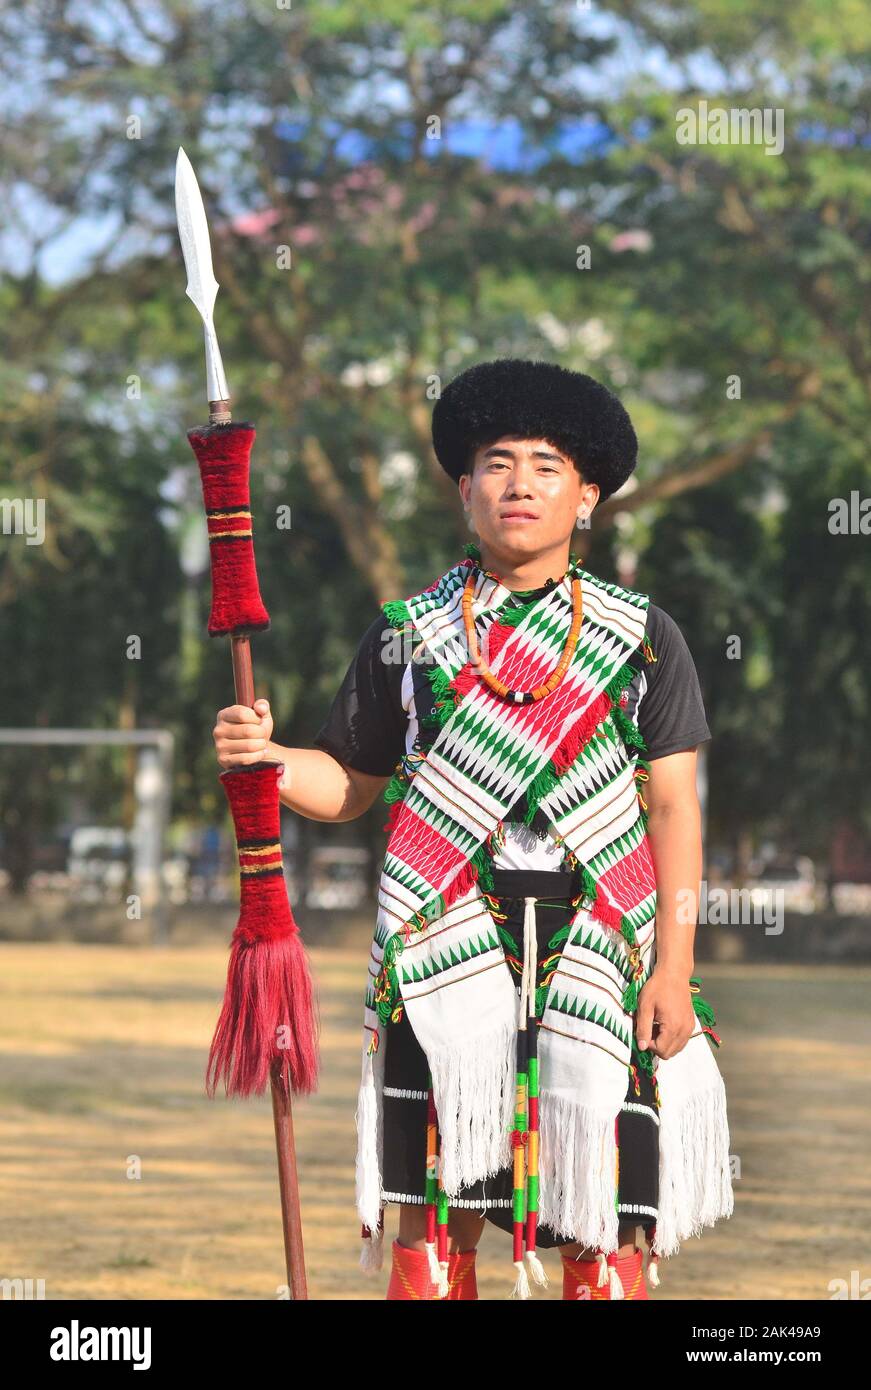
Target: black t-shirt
367,726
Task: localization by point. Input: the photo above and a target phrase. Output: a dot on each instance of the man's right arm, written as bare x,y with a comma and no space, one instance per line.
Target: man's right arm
314,784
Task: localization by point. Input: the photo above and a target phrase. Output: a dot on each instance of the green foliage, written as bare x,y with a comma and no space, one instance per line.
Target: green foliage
407,265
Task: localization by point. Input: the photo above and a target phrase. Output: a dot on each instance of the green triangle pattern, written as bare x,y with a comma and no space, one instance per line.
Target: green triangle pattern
590,941
573,1007
447,958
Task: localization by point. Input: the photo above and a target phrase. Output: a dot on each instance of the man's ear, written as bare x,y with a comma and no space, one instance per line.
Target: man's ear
588,503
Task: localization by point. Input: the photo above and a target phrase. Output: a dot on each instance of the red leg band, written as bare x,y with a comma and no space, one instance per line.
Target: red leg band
581,1280
223,453
631,1271
409,1278
462,1279
269,1012
581,1277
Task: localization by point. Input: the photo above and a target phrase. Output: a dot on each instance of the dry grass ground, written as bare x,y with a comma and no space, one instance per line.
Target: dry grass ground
103,1049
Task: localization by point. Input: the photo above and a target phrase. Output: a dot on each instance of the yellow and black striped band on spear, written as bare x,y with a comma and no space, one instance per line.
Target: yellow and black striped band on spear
229,524
259,858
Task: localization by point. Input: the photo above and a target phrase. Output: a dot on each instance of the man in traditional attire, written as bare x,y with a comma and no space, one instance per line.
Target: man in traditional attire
535,1049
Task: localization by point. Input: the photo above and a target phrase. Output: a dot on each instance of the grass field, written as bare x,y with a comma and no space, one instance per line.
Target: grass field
103,1051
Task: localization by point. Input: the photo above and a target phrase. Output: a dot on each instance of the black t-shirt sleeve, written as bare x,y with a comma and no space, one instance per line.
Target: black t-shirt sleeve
671,713
366,726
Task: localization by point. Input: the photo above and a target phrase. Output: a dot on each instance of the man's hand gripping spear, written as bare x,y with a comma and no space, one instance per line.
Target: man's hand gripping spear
268,1028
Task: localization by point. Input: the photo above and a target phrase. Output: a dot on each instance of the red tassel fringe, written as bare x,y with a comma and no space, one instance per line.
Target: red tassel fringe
460,884
581,732
606,913
269,1015
464,680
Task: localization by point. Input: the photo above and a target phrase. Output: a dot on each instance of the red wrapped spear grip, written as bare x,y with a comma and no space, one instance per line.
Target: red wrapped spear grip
268,1020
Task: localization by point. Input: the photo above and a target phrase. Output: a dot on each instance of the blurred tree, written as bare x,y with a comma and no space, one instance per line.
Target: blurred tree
394,194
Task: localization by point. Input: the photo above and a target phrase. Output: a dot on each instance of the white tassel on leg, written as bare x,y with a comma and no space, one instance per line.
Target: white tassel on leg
432,1261
652,1258
442,1282
608,1275
372,1252
521,1284
536,1268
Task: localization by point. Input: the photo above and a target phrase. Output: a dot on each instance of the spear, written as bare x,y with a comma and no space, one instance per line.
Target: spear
268,1026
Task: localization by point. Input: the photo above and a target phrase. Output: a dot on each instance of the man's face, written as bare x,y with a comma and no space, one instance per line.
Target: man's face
524,496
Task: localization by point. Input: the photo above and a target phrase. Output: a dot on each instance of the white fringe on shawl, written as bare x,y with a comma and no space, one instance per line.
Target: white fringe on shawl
695,1182
577,1159
577,1151
473,1089
465,1017
584,1072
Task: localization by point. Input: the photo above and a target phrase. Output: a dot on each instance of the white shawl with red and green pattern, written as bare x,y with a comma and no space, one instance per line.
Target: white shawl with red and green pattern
437,951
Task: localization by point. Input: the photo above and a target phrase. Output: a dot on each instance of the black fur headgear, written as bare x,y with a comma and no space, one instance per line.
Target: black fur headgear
535,400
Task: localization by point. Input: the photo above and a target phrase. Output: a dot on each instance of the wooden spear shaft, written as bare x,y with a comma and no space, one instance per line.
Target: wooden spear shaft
282,1112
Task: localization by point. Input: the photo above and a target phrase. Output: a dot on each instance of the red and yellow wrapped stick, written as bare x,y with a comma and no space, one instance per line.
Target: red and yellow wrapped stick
534,1265
442,1213
431,1182
524,1138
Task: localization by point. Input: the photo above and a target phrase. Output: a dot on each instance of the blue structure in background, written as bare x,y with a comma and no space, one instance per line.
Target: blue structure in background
505,145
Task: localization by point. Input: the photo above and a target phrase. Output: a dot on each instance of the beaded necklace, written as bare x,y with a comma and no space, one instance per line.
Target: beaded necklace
519,697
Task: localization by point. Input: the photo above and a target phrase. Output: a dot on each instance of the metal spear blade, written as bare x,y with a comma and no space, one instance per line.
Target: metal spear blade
202,287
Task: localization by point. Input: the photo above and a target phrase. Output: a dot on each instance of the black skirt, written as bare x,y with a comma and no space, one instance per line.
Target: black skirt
406,1075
